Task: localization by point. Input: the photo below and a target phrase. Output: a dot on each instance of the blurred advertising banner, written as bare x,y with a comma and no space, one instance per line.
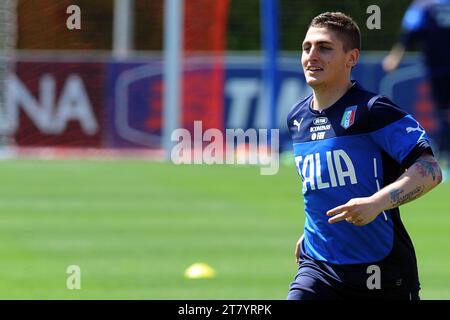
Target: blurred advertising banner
56,104
113,104
134,94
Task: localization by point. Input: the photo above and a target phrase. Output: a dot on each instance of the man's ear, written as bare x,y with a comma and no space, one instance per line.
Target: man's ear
353,58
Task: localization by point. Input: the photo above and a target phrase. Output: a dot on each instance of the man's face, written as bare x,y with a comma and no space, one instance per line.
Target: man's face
324,60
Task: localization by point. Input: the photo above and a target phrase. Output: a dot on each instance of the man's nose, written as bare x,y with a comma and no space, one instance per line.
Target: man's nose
313,53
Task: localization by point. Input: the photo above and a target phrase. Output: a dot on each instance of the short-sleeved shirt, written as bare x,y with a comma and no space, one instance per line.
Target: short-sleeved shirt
352,149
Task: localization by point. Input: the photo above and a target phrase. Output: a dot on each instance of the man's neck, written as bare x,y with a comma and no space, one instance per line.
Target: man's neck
325,97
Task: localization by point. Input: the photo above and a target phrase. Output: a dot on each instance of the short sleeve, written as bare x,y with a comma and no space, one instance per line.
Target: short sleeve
397,133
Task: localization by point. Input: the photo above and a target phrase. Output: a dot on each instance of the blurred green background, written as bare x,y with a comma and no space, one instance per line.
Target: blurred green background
133,227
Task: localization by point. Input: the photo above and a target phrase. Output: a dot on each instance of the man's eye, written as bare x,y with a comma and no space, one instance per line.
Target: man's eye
326,48
306,49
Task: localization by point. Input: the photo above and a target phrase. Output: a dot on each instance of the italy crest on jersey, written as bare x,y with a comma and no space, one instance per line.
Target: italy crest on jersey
349,117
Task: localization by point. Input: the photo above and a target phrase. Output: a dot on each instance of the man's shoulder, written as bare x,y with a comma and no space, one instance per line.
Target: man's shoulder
383,111
365,97
376,103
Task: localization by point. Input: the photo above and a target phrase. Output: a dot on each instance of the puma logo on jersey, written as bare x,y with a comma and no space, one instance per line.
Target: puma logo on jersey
418,128
334,169
298,124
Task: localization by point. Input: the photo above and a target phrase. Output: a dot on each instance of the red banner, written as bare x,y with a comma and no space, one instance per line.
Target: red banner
205,24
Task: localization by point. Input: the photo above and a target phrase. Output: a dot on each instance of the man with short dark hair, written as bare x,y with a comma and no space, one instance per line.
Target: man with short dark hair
360,157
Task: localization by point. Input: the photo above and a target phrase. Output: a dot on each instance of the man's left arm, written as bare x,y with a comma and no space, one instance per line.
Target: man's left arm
422,176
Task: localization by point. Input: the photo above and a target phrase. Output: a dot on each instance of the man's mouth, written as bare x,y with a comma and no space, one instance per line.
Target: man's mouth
313,69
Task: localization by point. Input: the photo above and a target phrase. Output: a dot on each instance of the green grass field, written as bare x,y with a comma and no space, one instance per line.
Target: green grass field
133,227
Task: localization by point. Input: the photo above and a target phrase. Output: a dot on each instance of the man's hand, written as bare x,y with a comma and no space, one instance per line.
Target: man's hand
297,250
358,211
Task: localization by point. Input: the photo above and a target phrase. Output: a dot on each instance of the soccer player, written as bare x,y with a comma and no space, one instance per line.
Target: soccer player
360,157
428,22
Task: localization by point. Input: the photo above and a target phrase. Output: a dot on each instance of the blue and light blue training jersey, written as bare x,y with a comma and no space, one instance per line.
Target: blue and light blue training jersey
349,150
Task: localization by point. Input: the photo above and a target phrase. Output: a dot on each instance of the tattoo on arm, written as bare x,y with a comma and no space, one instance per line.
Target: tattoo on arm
399,197
427,168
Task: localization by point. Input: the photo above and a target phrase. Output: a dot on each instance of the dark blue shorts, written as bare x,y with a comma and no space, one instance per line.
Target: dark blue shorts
317,280
310,287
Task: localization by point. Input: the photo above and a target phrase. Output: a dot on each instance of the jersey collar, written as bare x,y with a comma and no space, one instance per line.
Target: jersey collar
354,86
